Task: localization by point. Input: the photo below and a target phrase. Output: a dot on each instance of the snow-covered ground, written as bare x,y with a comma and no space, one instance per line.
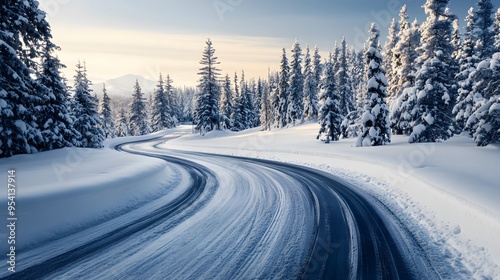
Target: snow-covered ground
446,193
64,191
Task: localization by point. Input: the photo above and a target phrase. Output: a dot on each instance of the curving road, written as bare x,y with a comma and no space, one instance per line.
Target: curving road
242,218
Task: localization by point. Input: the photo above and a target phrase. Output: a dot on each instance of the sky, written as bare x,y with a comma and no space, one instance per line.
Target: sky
146,37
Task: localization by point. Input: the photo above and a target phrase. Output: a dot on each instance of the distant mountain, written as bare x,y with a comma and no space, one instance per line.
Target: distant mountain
122,87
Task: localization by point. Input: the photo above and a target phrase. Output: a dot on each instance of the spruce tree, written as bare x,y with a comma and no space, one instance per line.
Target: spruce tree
497,31
23,32
391,56
330,114
122,127
85,109
467,60
237,115
226,103
295,109
435,79
161,111
206,112
375,120
283,88
106,115
174,108
483,32
344,83
310,89
54,116
138,124
266,108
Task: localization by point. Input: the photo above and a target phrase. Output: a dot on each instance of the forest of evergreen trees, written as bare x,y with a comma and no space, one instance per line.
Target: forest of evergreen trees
430,81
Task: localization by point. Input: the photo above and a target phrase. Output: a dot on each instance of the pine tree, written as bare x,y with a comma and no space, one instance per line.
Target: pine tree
84,108
257,89
484,123
283,87
237,123
467,60
173,110
106,115
295,111
54,116
483,32
206,113
226,103
435,79
161,112
497,31
266,108
23,32
330,114
317,68
351,123
375,120
246,104
138,114
344,82
122,128
310,89
391,56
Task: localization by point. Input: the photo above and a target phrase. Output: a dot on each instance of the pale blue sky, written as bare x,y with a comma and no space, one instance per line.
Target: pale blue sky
118,37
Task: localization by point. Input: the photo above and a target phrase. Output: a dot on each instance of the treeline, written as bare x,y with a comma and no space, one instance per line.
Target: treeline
429,82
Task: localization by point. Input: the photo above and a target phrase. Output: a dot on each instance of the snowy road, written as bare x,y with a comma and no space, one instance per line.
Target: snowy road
240,218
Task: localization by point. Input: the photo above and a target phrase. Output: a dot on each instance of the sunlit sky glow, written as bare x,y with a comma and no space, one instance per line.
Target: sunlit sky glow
119,37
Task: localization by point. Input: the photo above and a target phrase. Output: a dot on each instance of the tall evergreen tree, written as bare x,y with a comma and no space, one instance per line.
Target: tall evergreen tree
391,56
484,123
266,108
161,112
23,31
106,115
237,115
85,108
467,60
138,124
344,82
174,111
434,79
122,127
375,120
483,32
54,116
310,89
330,113
295,109
283,88
497,31
206,113
226,103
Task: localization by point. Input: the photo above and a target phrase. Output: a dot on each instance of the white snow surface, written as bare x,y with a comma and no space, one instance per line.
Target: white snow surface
447,193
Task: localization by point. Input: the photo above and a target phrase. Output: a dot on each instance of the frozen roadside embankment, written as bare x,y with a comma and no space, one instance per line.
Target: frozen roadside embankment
64,191
446,194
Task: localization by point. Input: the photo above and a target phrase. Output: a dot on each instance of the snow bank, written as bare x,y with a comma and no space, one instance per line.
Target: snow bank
66,190
447,194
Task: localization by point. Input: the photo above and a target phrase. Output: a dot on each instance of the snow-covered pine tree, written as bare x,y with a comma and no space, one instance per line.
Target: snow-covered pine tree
497,31
237,115
257,89
274,79
483,31
266,108
375,120
122,127
295,109
23,30
435,80
283,87
106,115
206,111
351,123
467,61
161,112
317,68
330,114
484,123
85,109
54,116
175,111
226,103
138,114
310,89
344,83
390,55
246,103
399,50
